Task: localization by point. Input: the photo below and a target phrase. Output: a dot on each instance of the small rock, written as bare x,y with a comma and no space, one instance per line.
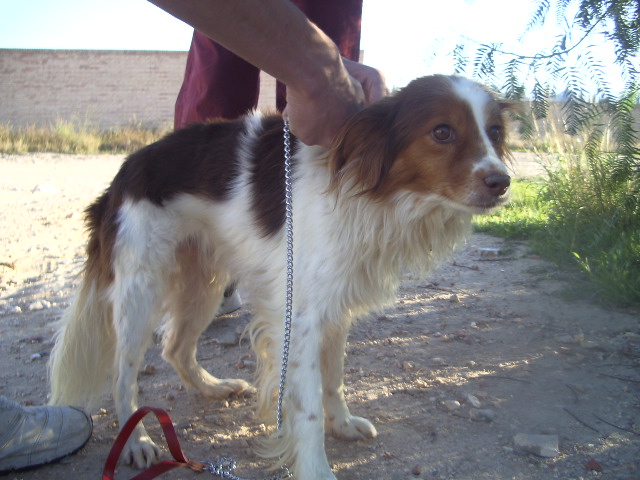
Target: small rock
39,355
438,361
245,363
408,366
185,425
39,305
169,397
228,338
451,405
45,188
249,363
489,252
149,369
473,401
540,445
482,415
417,470
32,340
454,298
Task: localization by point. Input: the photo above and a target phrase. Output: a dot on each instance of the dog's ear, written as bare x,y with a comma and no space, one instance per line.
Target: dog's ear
365,149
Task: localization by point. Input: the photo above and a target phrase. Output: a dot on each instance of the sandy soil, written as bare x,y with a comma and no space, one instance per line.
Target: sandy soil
481,351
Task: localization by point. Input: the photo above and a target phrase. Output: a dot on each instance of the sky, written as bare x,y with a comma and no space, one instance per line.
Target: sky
404,38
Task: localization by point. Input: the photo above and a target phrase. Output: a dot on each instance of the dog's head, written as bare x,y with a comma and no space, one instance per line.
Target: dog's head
440,136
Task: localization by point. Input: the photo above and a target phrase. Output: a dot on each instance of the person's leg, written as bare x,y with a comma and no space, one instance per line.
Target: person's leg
33,436
217,84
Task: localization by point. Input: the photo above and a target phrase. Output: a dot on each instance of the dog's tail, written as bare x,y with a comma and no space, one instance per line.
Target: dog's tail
84,351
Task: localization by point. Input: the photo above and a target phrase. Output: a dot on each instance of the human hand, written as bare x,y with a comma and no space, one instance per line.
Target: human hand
317,116
372,81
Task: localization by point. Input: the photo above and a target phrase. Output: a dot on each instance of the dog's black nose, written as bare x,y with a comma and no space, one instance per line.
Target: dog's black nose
497,183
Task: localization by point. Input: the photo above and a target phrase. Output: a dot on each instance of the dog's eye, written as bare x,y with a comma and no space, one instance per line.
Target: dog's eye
443,133
495,133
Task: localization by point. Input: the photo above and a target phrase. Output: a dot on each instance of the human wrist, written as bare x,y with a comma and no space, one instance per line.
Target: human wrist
319,70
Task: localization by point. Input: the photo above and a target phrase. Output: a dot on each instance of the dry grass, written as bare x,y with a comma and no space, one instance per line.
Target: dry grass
579,214
67,137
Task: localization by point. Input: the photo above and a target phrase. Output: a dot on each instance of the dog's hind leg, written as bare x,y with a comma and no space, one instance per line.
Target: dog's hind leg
194,298
338,420
142,258
135,297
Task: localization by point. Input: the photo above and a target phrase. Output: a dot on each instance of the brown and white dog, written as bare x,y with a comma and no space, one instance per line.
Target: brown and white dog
205,205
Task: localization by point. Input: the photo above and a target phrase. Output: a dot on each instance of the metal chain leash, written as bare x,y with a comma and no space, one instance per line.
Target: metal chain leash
225,466
288,195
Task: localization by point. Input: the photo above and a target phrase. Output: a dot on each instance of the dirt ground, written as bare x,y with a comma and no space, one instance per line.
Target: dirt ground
484,350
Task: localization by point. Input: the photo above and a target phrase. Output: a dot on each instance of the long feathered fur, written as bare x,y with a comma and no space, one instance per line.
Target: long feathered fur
204,206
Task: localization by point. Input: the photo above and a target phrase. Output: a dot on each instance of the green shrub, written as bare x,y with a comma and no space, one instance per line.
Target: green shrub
594,223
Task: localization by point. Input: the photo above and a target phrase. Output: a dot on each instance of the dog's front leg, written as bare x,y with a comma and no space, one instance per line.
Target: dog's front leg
338,420
303,426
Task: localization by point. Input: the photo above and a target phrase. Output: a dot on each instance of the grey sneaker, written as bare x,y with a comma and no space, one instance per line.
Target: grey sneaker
230,302
32,436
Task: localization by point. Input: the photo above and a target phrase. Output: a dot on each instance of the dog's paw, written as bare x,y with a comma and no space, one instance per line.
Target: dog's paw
353,428
141,453
226,388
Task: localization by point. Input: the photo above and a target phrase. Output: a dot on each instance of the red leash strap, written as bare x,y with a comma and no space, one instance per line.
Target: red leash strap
180,460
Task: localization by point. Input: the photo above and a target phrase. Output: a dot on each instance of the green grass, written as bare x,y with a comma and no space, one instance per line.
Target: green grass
67,137
519,219
582,218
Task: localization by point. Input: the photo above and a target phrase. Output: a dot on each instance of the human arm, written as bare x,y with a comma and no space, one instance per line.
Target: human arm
276,37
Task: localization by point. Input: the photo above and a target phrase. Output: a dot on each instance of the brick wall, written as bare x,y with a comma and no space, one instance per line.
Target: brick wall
100,87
